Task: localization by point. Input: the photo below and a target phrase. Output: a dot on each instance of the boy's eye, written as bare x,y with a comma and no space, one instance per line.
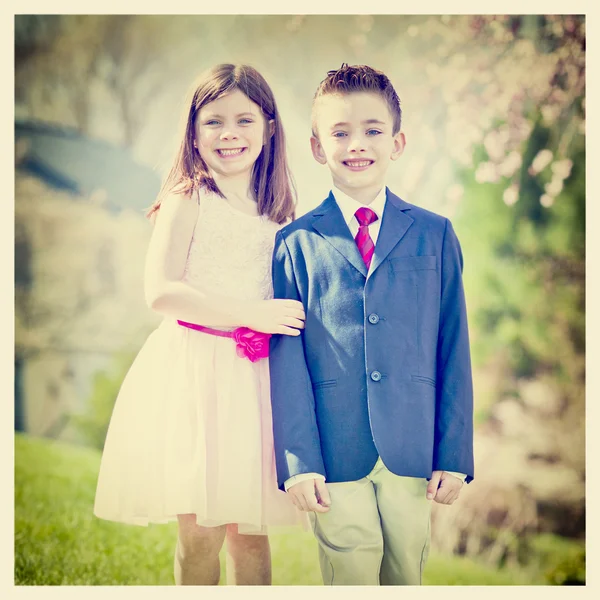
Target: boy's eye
373,132
339,134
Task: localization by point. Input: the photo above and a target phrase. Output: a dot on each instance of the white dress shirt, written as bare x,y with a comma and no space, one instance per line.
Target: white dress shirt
349,206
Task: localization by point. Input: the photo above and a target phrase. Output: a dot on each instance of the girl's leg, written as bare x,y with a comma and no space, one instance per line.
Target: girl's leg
197,552
248,558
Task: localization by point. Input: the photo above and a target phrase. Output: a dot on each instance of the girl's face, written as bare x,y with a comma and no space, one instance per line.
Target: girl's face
230,134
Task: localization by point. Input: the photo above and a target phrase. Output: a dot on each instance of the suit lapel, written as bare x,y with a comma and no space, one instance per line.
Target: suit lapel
393,227
329,222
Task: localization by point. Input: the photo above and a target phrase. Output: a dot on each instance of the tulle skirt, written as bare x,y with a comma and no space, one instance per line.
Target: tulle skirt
191,432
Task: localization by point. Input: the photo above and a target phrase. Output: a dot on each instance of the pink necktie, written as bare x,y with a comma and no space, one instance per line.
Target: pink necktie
365,216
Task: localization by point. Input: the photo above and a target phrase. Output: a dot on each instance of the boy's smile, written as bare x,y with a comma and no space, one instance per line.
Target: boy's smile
358,165
356,142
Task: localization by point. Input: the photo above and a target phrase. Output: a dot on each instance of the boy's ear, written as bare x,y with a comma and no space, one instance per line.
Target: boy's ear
399,144
317,150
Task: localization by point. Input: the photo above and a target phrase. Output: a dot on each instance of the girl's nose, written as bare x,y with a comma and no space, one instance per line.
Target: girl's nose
229,134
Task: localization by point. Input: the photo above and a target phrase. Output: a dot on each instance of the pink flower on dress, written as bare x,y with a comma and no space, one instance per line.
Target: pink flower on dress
251,344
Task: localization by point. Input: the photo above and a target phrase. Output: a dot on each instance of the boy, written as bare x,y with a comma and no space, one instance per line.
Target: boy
375,396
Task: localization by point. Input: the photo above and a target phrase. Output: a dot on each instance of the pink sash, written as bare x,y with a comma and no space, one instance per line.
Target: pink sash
250,344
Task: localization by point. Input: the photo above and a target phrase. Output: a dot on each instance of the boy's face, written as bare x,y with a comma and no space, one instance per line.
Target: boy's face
355,141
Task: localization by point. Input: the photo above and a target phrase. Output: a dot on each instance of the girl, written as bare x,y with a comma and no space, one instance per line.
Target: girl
191,437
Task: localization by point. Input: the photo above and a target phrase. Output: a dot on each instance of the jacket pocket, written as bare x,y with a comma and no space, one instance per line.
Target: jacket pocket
421,379
414,263
317,385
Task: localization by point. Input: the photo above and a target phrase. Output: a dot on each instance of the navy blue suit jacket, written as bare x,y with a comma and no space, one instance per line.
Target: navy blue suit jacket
382,367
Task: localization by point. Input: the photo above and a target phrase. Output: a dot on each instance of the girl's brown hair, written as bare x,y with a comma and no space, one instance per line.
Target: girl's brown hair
271,181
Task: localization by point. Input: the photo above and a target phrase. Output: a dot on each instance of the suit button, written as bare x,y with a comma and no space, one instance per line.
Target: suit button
373,318
376,376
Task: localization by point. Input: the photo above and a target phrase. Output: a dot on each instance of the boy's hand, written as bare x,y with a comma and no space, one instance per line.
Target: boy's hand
310,495
443,487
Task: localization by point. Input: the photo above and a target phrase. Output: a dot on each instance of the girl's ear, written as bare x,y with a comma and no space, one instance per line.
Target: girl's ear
270,131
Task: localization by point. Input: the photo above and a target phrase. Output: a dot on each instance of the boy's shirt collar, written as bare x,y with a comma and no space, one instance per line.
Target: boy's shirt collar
349,206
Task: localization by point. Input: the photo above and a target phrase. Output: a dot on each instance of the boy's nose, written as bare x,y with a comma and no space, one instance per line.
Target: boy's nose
356,145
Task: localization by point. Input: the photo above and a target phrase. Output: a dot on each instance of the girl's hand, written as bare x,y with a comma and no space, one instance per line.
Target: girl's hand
276,316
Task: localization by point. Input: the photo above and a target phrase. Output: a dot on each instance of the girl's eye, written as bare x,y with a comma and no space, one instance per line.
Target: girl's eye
246,121
373,132
212,122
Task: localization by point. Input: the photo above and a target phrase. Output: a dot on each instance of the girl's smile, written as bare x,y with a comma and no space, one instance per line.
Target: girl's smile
229,152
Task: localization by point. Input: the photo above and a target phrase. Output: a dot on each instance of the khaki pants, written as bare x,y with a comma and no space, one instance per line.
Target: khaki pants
376,531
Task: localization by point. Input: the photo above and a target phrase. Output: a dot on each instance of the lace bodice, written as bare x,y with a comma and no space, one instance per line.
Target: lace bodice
230,252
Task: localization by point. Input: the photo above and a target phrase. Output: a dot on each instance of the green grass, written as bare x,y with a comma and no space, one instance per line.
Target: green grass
58,541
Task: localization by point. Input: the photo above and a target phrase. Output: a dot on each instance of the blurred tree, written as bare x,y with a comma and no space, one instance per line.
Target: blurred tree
58,306
522,218
95,72
78,291
98,74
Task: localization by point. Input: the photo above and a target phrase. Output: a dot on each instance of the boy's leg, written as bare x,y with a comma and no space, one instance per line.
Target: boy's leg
405,518
349,535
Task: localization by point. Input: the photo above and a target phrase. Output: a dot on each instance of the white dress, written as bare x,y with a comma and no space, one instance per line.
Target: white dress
191,430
